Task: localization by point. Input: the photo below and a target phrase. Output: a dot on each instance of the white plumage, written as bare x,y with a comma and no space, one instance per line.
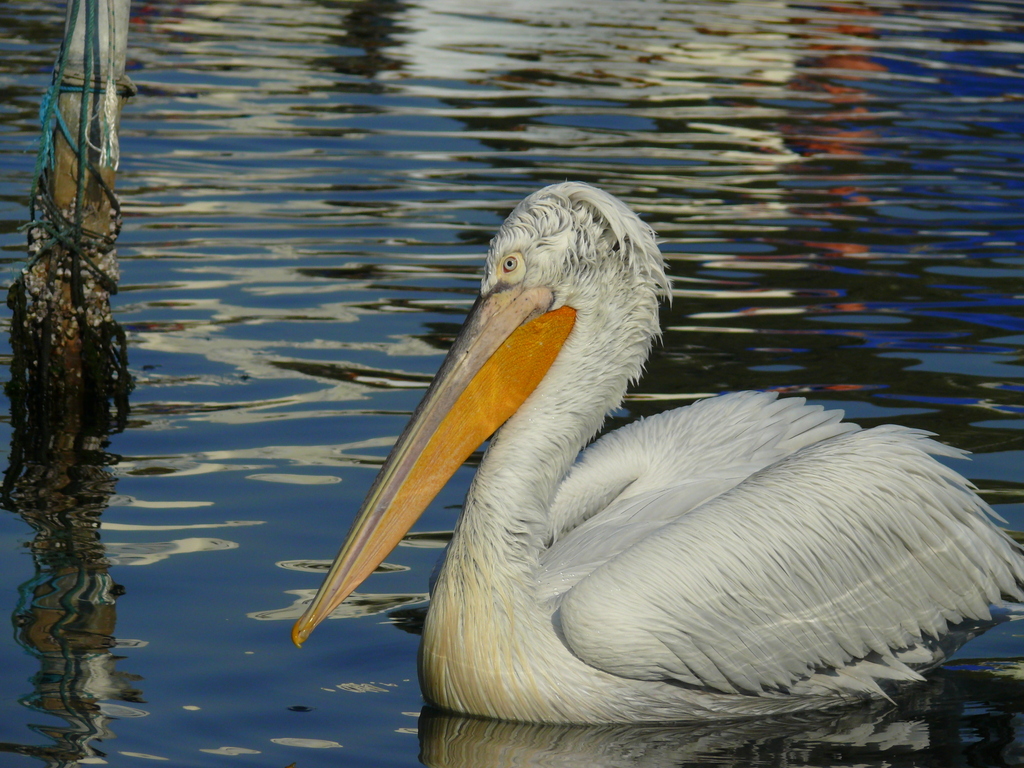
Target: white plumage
744,555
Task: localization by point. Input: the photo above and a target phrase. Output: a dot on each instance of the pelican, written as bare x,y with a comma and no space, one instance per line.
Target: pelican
745,555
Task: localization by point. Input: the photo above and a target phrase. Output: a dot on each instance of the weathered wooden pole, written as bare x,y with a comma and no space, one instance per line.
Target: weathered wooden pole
90,96
69,353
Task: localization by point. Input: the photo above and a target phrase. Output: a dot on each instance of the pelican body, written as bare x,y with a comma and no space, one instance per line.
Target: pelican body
745,555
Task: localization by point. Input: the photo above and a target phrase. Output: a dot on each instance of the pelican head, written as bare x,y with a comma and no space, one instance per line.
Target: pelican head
572,278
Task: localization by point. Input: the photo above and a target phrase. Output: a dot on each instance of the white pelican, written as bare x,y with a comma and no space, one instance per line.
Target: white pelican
743,555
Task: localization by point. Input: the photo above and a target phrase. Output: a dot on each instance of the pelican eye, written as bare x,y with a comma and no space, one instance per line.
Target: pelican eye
510,264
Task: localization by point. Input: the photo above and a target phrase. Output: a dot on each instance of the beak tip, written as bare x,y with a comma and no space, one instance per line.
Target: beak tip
299,634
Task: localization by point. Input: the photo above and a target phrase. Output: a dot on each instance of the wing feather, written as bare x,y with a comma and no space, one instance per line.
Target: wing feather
835,557
638,478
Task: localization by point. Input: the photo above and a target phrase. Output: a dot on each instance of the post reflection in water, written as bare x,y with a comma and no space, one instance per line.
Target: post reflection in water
59,483
66,619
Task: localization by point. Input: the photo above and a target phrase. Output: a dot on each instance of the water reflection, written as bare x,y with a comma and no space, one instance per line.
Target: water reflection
930,719
792,138
66,613
66,620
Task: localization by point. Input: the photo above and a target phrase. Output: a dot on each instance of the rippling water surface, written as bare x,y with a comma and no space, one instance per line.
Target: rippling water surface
308,190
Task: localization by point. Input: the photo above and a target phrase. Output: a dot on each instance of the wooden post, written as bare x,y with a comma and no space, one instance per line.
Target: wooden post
63,332
69,362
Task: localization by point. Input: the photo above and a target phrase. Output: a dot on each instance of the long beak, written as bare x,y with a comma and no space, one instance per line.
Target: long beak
506,346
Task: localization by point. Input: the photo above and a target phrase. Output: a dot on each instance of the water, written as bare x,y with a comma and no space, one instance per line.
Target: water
308,190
